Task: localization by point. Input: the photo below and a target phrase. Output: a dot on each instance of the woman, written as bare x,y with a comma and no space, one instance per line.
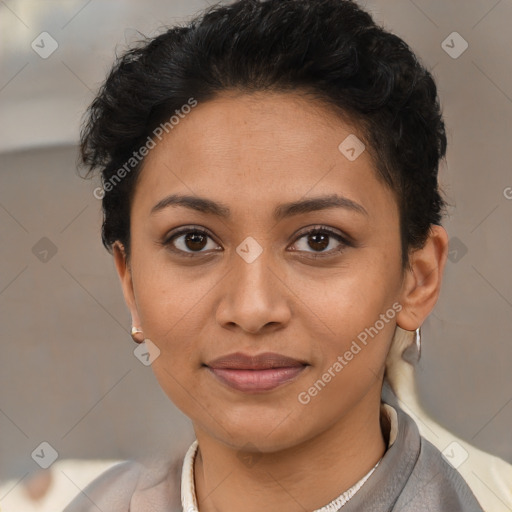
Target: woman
271,202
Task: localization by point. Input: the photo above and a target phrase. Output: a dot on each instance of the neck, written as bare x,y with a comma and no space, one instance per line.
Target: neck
304,477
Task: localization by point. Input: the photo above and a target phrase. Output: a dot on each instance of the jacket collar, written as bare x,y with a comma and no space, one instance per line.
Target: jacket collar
383,489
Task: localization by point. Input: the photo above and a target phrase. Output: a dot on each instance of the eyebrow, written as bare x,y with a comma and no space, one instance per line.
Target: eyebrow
207,206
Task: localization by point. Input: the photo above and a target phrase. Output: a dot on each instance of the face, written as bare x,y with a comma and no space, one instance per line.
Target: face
259,273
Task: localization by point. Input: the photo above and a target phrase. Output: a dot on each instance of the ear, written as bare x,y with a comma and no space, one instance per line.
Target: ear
125,275
422,282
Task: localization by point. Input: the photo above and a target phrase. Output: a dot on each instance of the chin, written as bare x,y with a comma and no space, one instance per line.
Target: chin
266,434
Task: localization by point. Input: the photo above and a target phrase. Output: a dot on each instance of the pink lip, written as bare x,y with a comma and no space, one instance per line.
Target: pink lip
262,372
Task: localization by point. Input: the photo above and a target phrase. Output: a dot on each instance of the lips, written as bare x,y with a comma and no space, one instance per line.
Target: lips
240,361
258,373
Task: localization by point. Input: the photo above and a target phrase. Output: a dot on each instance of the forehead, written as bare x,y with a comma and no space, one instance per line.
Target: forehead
258,149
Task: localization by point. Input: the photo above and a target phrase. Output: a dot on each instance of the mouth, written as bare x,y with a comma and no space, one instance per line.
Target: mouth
253,374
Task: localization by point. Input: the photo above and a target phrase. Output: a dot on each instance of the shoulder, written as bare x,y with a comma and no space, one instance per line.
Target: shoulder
131,485
436,482
111,490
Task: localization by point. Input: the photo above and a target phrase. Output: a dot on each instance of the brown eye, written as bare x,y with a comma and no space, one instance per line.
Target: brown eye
189,241
317,240
195,241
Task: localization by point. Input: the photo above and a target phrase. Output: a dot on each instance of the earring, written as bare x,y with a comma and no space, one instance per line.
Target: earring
412,353
417,341
134,333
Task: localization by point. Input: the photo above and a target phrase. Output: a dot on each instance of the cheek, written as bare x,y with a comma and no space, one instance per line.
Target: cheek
351,353
355,318
169,300
350,362
172,310
348,303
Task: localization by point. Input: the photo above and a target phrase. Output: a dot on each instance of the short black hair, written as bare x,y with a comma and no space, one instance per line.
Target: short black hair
332,50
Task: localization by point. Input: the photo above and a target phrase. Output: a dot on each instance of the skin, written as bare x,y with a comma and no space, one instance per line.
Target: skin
253,153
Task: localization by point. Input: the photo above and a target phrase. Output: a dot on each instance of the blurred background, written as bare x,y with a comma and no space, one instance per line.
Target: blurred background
68,374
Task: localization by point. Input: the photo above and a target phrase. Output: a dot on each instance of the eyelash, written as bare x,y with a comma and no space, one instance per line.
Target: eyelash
315,230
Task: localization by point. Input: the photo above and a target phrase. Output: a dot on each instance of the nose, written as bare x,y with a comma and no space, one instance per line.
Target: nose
254,296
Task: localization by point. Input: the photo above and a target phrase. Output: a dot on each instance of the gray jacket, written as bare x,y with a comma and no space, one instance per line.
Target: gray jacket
412,476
